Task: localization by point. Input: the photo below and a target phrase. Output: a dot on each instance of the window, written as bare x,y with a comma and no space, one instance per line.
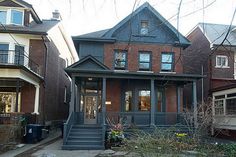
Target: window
120,59
167,62
159,100
8,102
221,61
144,28
144,61
16,17
3,17
144,100
231,106
219,107
19,55
4,53
128,101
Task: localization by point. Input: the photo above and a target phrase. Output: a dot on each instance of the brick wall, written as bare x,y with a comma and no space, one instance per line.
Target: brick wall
133,55
113,94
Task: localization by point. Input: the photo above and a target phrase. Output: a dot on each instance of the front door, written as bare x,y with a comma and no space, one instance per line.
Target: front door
90,111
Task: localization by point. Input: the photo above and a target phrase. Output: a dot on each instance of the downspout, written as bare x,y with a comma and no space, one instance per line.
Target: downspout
44,76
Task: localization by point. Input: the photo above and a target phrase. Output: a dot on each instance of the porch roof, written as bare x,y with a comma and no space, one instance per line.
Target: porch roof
132,75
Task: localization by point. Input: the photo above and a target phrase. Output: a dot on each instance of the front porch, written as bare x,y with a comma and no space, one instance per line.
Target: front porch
139,103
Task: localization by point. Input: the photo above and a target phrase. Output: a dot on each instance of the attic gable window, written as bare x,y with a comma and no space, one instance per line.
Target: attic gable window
144,28
16,17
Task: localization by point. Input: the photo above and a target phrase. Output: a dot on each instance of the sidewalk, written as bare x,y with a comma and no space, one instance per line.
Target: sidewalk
53,135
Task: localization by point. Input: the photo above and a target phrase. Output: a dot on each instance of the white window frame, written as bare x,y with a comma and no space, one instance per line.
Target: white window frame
220,65
9,17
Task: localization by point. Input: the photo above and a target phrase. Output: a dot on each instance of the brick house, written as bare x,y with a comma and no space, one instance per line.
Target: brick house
132,71
217,59
33,55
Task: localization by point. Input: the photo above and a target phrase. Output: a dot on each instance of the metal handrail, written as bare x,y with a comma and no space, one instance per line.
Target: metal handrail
68,125
12,57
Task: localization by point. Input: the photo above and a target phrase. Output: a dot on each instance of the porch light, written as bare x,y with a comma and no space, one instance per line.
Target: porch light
108,102
90,78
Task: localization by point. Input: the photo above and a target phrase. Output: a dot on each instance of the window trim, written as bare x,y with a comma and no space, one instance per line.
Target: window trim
172,63
11,17
150,61
226,61
126,59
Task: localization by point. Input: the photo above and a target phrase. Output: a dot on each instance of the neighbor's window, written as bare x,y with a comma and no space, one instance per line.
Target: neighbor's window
128,100
144,100
219,107
167,61
17,17
3,17
144,28
144,61
120,59
231,106
8,102
4,48
221,61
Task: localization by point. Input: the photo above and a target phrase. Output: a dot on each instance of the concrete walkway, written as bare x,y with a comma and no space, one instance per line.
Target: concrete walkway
54,150
55,134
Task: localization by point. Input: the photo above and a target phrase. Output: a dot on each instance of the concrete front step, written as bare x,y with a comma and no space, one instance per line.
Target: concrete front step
76,142
82,147
89,138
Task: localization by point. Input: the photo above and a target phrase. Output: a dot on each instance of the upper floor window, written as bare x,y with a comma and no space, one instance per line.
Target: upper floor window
167,61
11,16
4,48
3,17
120,59
144,61
221,61
144,28
16,17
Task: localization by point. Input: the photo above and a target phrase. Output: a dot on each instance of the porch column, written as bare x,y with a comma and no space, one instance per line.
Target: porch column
72,100
152,122
36,100
78,98
104,101
178,98
195,104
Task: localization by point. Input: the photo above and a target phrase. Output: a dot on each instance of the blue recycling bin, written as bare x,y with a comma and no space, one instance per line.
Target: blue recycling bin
34,133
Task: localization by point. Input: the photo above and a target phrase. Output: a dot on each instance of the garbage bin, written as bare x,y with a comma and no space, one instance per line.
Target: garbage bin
34,133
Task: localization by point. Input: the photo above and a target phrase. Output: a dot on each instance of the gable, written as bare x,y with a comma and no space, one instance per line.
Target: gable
88,63
158,32
10,3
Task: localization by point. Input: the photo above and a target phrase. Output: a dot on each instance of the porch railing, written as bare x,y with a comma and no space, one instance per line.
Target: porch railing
11,57
143,118
68,125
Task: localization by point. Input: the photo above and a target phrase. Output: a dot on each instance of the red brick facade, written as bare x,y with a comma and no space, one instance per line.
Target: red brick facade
133,55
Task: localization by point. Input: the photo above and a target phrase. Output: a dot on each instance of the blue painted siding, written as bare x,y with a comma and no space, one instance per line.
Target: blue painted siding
91,48
158,31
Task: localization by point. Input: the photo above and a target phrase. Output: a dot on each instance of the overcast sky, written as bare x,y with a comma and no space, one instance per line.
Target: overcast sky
84,16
